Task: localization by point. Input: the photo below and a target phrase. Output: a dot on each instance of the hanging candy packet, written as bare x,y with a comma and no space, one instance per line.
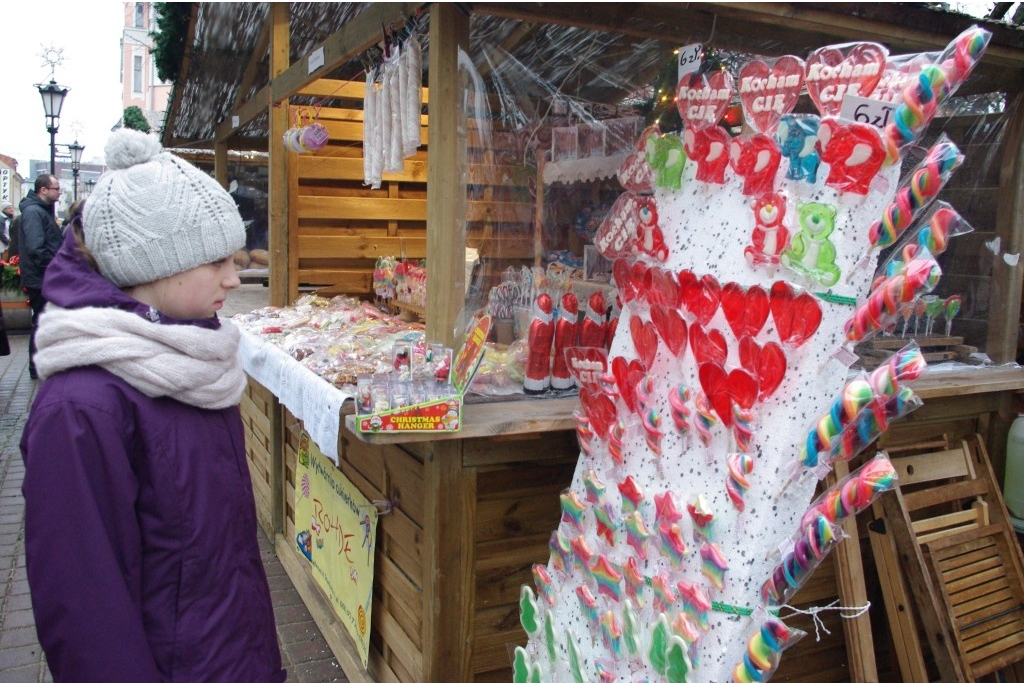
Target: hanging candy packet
935,83
797,135
769,89
835,71
811,253
764,650
916,192
900,71
807,548
937,226
883,306
854,493
870,423
854,152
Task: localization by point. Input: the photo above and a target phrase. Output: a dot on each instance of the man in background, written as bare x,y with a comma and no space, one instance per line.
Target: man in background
6,219
38,240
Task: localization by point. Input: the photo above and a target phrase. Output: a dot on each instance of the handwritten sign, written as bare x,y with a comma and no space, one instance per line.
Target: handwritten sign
689,59
337,532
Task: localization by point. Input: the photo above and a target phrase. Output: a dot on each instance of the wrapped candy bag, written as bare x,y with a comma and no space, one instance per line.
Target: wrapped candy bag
807,549
883,306
764,650
939,224
853,494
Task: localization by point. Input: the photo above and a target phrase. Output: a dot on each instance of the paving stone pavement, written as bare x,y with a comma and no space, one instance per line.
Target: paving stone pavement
304,650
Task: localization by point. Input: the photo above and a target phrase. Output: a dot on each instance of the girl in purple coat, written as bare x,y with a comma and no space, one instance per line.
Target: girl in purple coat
143,560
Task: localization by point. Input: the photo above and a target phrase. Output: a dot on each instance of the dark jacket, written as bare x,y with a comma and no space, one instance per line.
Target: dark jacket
140,524
38,239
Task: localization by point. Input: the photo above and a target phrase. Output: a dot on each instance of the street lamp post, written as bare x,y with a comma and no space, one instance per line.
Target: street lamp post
76,162
89,185
53,99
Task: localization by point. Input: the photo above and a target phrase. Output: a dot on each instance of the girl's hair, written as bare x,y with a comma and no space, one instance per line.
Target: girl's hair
74,222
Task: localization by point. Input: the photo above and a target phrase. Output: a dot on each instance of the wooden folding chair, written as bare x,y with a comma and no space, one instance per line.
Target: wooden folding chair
947,543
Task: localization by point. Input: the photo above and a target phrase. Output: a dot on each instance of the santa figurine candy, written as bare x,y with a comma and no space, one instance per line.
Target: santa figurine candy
538,361
565,336
594,328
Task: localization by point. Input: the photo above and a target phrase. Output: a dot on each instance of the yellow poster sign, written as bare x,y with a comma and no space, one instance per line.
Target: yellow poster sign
337,532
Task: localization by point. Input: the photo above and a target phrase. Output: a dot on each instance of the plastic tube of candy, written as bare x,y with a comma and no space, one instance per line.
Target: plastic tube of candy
933,233
855,493
934,84
882,384
814,541
916,192
764,649
872,421
882,308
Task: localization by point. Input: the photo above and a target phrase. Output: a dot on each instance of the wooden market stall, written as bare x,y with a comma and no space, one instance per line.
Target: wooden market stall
475,510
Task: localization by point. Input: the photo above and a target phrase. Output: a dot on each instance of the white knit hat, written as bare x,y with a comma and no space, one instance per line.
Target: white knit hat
153,215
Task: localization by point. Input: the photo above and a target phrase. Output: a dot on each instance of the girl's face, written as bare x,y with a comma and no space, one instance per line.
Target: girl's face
198,293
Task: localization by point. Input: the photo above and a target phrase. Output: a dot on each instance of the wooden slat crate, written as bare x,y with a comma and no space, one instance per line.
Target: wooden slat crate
256,406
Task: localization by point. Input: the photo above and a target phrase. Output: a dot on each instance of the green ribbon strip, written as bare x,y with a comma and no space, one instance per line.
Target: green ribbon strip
830,296
738,611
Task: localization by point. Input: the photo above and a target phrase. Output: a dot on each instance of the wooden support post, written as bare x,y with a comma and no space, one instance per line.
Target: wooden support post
220,163
1005,299
282,268
446,187
853,593
449,597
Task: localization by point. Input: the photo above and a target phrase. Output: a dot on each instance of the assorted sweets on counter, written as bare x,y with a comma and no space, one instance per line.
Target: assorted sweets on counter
349,342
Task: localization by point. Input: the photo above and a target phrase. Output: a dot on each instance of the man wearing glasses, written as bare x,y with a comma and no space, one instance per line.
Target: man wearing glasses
38,240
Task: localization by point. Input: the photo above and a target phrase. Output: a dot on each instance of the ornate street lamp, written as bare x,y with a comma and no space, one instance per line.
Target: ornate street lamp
53,99
76,162
89,185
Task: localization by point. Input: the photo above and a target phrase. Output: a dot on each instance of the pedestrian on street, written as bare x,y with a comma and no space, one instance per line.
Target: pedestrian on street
140,522
38,240
6,219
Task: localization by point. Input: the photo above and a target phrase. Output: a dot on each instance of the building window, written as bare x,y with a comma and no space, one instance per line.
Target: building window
137,74
140,11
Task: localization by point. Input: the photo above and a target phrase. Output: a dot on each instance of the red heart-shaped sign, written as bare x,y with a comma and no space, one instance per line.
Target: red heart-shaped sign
587,365
722,389
768,92
635,174
835,71
746,309
645,340
796,316
708,346
671,327
703,99
700,296
767,364
617,230
627,376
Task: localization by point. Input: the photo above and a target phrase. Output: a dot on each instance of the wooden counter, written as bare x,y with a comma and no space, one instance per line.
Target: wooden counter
474,511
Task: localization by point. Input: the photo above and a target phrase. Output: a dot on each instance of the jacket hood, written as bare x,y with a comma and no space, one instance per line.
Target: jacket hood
31,200
71,282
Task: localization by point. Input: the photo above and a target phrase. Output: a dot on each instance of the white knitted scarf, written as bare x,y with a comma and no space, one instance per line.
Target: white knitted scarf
194,365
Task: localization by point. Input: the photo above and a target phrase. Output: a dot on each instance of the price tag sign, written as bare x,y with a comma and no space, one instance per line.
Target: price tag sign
689,59
867,111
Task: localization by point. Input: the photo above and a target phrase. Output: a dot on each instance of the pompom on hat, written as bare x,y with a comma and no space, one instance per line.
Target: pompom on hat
153,215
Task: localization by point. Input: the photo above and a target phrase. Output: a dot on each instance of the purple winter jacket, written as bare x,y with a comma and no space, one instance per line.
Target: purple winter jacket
140,524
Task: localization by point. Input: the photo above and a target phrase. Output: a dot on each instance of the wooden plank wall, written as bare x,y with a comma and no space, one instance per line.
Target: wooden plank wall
256,406
341,226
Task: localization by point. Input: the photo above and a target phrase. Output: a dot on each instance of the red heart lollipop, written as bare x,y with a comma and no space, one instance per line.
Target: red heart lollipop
831,76
796,317
746,310
722,389
623,273
701,296
767,364
645,340
768,92
708,346
671,327
616,231
703,99
627,376
635,174
600,409
664,287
